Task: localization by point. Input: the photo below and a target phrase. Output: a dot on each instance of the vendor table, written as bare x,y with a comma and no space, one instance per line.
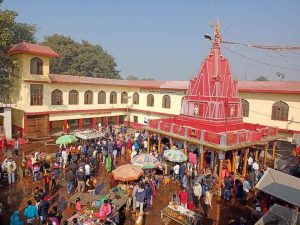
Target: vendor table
85,198
181,215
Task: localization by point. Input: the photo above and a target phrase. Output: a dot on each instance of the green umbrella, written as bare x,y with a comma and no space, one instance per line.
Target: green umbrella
65,139
175,155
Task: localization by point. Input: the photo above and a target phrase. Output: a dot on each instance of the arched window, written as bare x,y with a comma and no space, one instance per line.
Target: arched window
113,98
73,97
245,107
280,111
150,100
124,98
56,97
88,97
101,97
136,98
36,66
166,102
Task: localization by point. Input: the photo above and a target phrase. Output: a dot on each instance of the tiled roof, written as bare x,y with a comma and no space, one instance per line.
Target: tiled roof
287,87
152,84
35,49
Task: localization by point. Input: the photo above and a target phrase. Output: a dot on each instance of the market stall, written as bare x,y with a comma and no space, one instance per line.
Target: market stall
180,214
118,199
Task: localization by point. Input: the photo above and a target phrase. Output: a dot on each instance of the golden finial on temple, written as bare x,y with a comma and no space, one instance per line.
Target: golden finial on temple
217,31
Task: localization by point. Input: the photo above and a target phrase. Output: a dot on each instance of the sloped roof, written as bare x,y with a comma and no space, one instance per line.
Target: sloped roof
243,86
35,49
278,215
288,87
280,185
152,84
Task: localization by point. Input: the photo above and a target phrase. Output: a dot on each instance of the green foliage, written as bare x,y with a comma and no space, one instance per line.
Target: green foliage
80,58
11,32
262,78
131,77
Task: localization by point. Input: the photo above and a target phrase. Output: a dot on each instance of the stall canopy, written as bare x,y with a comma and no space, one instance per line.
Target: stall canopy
279,215
87,135
280,185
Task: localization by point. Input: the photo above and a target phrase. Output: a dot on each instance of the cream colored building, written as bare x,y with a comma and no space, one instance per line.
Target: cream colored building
47,103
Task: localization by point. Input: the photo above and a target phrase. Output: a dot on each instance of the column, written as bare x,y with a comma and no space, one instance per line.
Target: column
220,170
234,153
94,123
80,124
118,120
106,121
24,126
256,155
273,150
201,161
265,154
65,124
148,143
245,162
159,144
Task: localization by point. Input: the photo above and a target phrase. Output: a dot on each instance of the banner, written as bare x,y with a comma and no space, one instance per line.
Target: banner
193,158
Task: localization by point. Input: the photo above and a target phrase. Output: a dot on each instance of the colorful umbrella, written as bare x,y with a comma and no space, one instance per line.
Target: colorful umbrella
127,172
175,156
65,139
145,161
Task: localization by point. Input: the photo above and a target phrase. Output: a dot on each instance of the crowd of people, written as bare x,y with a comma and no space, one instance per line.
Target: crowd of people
77,166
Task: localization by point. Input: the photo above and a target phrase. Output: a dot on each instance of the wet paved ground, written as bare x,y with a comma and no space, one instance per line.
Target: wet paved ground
15,197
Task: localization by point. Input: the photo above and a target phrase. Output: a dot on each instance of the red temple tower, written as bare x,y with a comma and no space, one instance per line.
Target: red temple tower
211,112
212,98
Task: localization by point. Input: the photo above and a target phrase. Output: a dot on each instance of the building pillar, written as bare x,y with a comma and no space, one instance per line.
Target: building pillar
80,124
106,121
118,120
159,144
94,123
273,150
256,155
201,161
234,154
265,154
220,170
245,162
148,142
49,126
25,124
65,125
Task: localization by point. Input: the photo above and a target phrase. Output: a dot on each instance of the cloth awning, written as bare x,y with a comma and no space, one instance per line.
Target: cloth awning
279,215
87,135
280,185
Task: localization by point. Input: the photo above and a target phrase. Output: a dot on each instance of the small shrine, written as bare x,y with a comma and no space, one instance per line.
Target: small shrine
211,119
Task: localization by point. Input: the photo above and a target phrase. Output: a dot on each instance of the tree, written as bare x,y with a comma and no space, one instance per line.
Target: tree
11,33
262,78
131,77
80,58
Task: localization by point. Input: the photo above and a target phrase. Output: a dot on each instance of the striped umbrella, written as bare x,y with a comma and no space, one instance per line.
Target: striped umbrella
145,161
127,172
175,155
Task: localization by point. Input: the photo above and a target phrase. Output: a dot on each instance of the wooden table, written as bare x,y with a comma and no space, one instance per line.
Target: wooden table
165,212
85,198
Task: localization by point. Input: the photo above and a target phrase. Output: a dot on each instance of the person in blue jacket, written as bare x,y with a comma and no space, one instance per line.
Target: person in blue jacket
15,218
30,212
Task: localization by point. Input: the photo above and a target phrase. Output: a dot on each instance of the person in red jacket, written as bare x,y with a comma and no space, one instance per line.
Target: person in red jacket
182,194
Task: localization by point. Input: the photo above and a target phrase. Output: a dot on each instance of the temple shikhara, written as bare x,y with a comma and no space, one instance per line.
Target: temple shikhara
211,118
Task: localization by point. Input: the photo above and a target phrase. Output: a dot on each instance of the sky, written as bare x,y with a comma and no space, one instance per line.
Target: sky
164,40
